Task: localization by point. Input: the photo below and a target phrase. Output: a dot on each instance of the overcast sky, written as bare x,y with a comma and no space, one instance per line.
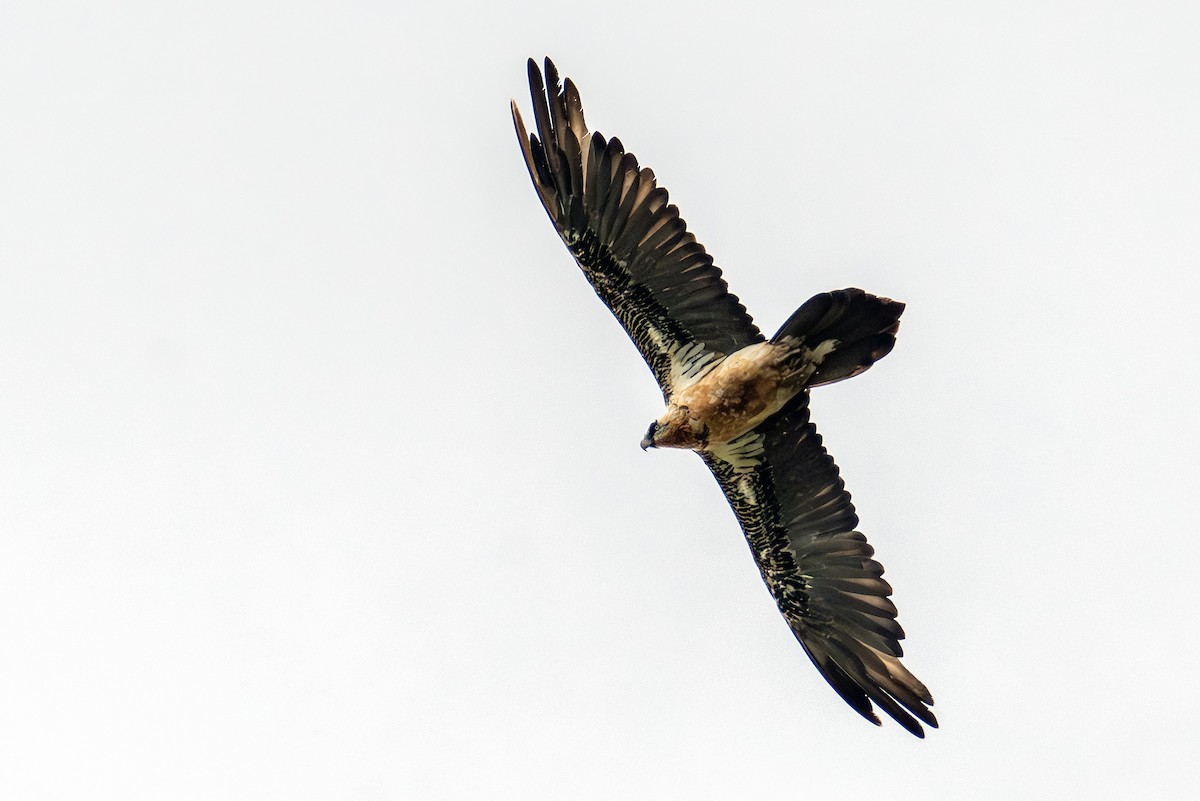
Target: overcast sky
319,465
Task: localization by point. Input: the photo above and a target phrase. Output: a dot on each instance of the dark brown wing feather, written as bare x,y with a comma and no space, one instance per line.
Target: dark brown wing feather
631,244
799,521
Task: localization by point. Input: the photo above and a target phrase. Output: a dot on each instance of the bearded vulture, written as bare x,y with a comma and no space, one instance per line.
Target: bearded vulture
736,398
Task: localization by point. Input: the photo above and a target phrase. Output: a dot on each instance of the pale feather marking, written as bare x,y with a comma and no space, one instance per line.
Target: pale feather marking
743,454
818,354
656,336
690,363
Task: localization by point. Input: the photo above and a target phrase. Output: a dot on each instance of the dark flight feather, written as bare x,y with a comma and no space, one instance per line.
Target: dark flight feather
626,237
820,571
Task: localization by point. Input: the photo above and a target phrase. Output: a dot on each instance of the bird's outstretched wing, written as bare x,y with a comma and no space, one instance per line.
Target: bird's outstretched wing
631,244
797,516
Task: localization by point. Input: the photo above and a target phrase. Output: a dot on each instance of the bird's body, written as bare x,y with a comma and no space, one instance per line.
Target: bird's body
735,397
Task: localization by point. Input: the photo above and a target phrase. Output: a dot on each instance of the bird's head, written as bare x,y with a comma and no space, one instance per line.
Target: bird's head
676,429
648,440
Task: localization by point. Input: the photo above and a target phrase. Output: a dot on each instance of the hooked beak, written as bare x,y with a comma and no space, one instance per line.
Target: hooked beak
648,440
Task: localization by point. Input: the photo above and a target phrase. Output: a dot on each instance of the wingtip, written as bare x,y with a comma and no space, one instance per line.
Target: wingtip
536,86
519,124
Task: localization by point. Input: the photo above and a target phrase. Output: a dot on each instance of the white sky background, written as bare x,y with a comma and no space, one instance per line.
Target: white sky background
319,473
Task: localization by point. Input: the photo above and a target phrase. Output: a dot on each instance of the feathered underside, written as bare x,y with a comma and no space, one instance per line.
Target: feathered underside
798,519
629,241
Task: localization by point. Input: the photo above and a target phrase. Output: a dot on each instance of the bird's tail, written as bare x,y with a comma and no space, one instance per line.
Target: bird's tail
848,329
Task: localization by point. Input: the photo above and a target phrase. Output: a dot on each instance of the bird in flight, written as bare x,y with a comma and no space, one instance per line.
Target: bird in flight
738,399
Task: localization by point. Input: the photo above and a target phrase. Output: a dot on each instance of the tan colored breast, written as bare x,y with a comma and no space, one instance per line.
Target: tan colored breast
743,390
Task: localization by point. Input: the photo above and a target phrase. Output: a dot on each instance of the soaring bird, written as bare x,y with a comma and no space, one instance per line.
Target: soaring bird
734,397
